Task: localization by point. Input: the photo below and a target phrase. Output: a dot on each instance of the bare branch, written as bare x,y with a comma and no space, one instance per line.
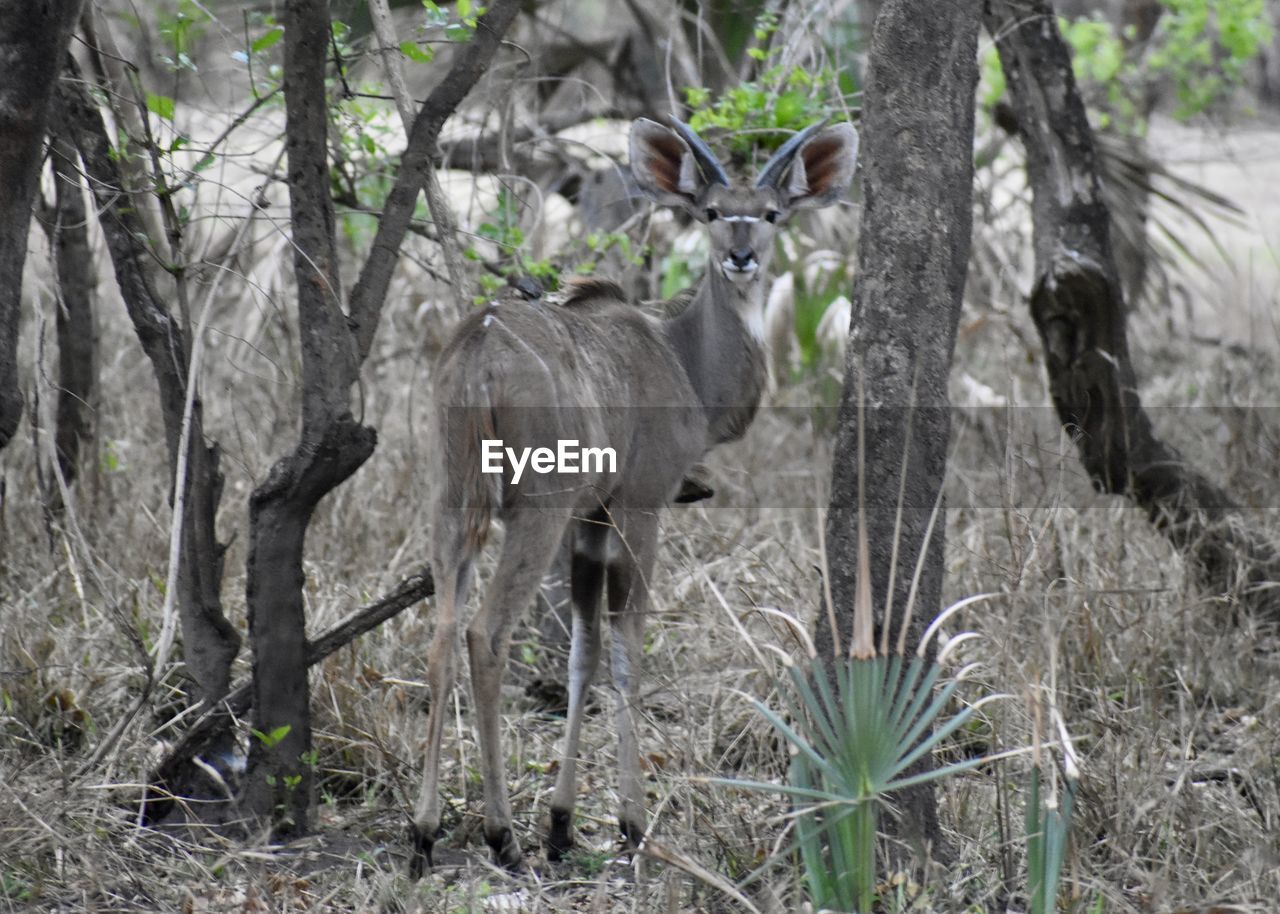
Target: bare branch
471,63
441,215
169,774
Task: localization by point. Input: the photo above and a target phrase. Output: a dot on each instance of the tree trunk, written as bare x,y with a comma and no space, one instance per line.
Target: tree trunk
179,766
917,128
332,445
76,327
210,642
33,41
1078,307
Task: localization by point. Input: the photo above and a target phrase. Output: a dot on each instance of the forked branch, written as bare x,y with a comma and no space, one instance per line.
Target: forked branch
176,767
419,155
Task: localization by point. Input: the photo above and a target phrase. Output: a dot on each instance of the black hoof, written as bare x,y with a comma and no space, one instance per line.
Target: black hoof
560,837
506,852
692,490
632,832
420,845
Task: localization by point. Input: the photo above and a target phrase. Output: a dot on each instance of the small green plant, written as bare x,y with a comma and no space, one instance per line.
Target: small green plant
265,73
14,887
759,113
588,862
811,304
272,739
853,744
1047,819
180,33
856,728
502,227
680,268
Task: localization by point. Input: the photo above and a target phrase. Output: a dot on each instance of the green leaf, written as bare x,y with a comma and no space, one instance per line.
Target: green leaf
416,52
270,38
789,109
160,105
435,17
273,738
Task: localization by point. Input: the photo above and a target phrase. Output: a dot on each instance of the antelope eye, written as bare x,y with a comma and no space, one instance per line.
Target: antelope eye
712,214
772,216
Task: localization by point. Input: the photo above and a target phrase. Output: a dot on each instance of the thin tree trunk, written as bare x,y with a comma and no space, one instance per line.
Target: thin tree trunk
1078,307
917,128
332,444
33,40
210,642
76,326
179,767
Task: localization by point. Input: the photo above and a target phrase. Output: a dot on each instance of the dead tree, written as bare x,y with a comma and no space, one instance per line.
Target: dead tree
332,443
1078,305
917,124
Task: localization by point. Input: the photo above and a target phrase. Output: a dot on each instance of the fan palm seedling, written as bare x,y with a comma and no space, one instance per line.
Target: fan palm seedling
858,728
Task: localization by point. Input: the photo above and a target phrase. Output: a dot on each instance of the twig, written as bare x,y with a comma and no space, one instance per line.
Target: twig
441,215
662,854
411,590
470,64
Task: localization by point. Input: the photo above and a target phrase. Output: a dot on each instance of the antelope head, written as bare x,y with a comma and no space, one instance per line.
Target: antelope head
674,167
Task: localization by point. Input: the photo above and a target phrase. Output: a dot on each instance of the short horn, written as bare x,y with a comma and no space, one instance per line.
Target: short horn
777,166
708,164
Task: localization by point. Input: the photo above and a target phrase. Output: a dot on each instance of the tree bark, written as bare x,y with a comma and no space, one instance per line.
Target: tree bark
178,768
332,444
76,327
210,642
917,180
1078,306
33,40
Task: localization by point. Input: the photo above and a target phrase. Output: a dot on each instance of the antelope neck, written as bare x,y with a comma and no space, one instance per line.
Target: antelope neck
721,354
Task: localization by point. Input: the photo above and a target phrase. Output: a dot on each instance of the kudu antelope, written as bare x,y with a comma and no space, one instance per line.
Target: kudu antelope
598,370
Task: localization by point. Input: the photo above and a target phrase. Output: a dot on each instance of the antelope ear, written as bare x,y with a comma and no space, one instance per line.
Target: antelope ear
663,164
821,169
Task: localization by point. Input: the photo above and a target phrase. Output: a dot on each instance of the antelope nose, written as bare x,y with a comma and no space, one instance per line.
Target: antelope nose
742,257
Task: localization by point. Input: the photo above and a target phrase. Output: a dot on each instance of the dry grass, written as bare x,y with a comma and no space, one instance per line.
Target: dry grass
1169,695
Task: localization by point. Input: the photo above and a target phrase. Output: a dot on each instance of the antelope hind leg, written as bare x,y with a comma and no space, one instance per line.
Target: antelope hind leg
532,538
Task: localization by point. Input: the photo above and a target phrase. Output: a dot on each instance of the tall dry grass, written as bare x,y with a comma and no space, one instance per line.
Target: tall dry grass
1169,694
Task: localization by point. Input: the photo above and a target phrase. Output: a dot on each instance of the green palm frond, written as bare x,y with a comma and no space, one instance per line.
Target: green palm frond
855,730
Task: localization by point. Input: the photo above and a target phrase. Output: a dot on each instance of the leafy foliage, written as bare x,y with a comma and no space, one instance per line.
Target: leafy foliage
761,112
1202,47
1206,45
